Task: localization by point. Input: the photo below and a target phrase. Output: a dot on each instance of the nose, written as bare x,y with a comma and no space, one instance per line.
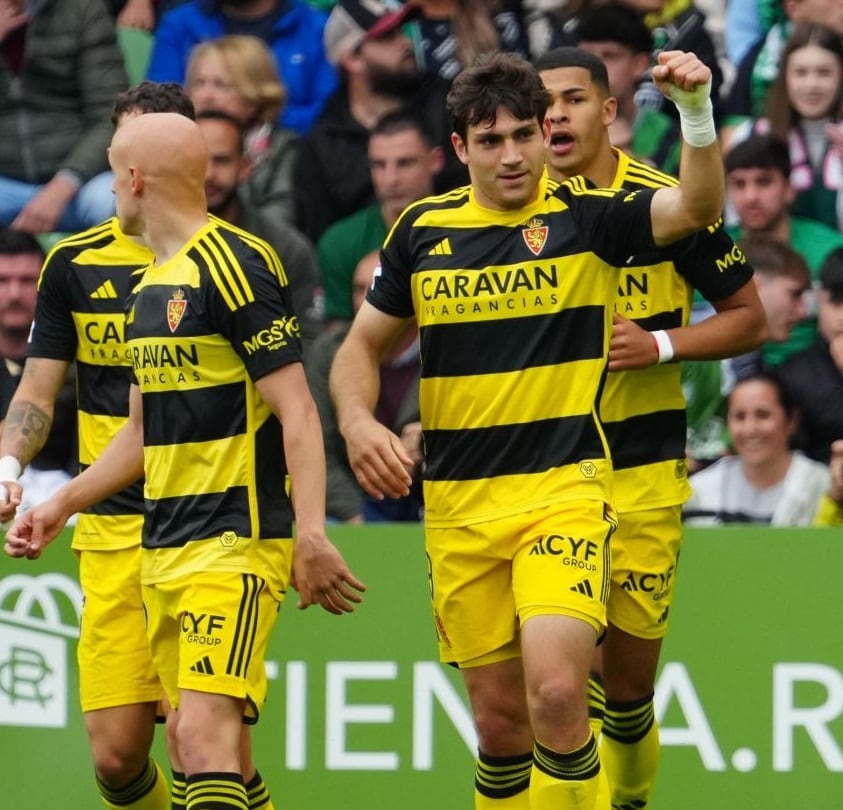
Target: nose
511,155
557,113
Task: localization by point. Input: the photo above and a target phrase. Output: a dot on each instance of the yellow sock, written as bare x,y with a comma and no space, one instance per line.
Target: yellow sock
258,794
568,781
220,791
148,791
502,783
630,750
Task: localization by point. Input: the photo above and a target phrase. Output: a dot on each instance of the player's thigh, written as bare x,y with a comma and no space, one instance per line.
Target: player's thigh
115,664
645,555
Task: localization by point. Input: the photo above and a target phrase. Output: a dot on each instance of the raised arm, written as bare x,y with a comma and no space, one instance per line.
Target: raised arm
699,198
375,453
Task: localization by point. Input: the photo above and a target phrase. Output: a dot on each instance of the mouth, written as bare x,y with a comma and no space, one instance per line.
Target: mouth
561,143
512,178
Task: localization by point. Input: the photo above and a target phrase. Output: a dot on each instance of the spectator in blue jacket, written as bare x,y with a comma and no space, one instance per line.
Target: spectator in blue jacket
291,28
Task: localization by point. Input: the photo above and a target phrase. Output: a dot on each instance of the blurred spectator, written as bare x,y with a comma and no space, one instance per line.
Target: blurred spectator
237,75
830,512
782,280
21,258
746,23
758,70
228,169
379,75
759,190
765,481
291,28
815,375
403,163
804,109
141,14
60,70
397,408
450,34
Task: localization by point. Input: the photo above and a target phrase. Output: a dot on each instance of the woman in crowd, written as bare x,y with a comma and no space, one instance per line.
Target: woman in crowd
765,481
236,74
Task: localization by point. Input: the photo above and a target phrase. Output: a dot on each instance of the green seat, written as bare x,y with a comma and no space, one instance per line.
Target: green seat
136,45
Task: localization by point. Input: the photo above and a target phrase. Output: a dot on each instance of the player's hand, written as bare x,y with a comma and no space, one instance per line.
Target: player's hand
12,17
11,494
630,347
683,78
34,529
44,210
321,576
379,460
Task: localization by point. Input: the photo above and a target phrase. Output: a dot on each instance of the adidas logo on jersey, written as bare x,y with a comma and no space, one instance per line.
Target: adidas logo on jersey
203,666
105,290
442,249
583,587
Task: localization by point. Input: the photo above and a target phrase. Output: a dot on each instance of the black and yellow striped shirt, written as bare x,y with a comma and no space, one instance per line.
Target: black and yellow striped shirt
201,328
80,316
514,313
643,412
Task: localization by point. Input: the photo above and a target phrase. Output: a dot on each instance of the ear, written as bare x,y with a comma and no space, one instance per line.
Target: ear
546,126
437,159
610,110
460,148
137,183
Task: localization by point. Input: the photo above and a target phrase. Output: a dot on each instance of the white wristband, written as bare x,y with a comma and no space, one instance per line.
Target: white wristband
663,346
696,115
10,468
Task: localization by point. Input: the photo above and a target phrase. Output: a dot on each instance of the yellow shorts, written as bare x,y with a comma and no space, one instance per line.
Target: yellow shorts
645,553
209,632
115,663
488,579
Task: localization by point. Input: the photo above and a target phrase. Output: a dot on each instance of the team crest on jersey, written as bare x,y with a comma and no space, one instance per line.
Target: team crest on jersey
535,235
175,309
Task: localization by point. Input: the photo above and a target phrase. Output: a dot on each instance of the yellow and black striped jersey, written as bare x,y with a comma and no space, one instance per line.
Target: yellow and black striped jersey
80,316
643,412
201,328
514,314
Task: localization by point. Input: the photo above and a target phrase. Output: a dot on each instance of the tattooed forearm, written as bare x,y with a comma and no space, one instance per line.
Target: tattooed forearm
25,430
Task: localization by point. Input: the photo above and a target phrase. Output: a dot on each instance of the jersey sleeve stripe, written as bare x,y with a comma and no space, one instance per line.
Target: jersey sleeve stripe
218,280
230,267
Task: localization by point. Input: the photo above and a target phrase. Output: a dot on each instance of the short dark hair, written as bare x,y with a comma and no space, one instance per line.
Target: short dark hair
614,23
401,121
18,243
771,257
153,97
228,118
570,57
759,152
831,275
496,80
771,377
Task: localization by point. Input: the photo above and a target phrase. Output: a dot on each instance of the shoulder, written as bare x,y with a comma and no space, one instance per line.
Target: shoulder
637,174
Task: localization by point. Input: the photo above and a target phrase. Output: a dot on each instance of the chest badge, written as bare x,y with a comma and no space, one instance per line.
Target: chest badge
535,235
175,309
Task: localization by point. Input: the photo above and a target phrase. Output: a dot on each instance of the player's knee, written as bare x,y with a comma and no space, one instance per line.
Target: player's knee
117,763
557,700
502,730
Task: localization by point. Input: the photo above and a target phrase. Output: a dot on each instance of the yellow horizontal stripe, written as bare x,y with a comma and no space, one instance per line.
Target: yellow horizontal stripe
107,532
635,393
449,503
487,400
166,364
95,433
650,486
510,291
101,339
196,468
181,270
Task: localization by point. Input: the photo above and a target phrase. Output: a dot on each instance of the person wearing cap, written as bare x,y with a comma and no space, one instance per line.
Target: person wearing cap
815,375
379,75
291,28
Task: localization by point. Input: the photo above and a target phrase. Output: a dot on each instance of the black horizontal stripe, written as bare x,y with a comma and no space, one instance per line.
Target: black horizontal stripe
532,447
661,320
198,415
512,344
128,501
647,439
173,522
103,390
